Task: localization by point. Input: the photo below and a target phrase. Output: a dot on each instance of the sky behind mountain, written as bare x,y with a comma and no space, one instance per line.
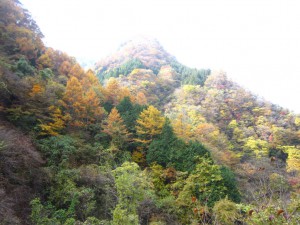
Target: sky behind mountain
256,42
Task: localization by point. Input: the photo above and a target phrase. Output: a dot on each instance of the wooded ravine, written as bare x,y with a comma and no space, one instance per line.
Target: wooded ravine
140,139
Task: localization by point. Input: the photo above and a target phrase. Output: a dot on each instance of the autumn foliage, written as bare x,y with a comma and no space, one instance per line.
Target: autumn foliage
149,124
142,140
114,126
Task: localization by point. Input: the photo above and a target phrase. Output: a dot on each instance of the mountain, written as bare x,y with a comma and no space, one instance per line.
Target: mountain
144,65
240,129
217,102
145,50
147,53
142,140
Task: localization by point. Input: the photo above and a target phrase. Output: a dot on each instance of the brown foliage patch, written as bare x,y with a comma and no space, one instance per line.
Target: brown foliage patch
20,174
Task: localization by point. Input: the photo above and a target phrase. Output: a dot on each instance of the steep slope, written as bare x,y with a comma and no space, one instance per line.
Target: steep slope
84,153
240,129
20,172
33,82
216,100
227,105
255,138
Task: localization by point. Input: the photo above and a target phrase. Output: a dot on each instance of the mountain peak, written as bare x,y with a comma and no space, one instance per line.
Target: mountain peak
142,41
143,52
146,49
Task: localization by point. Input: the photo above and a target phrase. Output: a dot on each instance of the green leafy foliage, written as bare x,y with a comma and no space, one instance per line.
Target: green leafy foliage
132,187
205,183
123,69
187,75
230,183
67,151
23,68
46,73
129,113
167,149
225,212
58,150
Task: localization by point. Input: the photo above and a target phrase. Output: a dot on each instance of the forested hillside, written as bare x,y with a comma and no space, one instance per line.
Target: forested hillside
142,139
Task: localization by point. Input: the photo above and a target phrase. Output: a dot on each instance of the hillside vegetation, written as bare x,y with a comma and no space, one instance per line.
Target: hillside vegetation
142,139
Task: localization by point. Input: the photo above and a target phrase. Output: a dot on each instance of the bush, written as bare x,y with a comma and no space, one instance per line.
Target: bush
225,212
23,68
58,150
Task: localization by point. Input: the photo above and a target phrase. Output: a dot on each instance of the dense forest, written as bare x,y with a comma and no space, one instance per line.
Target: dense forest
141,139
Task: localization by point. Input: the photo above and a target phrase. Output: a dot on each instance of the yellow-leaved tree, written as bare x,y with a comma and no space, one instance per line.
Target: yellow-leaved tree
149,124
297,121
293,160
182,128
114,126
57,123
45,60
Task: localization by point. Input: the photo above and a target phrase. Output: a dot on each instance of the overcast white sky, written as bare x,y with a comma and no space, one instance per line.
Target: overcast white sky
257,42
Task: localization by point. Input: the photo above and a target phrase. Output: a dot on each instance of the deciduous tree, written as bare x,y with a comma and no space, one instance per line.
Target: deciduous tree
57,123
149,124
114,126
182,128
205,183
114,92
77,72
73,101
93,112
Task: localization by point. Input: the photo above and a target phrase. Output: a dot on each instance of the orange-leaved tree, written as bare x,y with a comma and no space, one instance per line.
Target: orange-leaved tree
73,101
140,98
65,68
36,90
114,126
115,93
93,111
90,80
83,106
77,71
